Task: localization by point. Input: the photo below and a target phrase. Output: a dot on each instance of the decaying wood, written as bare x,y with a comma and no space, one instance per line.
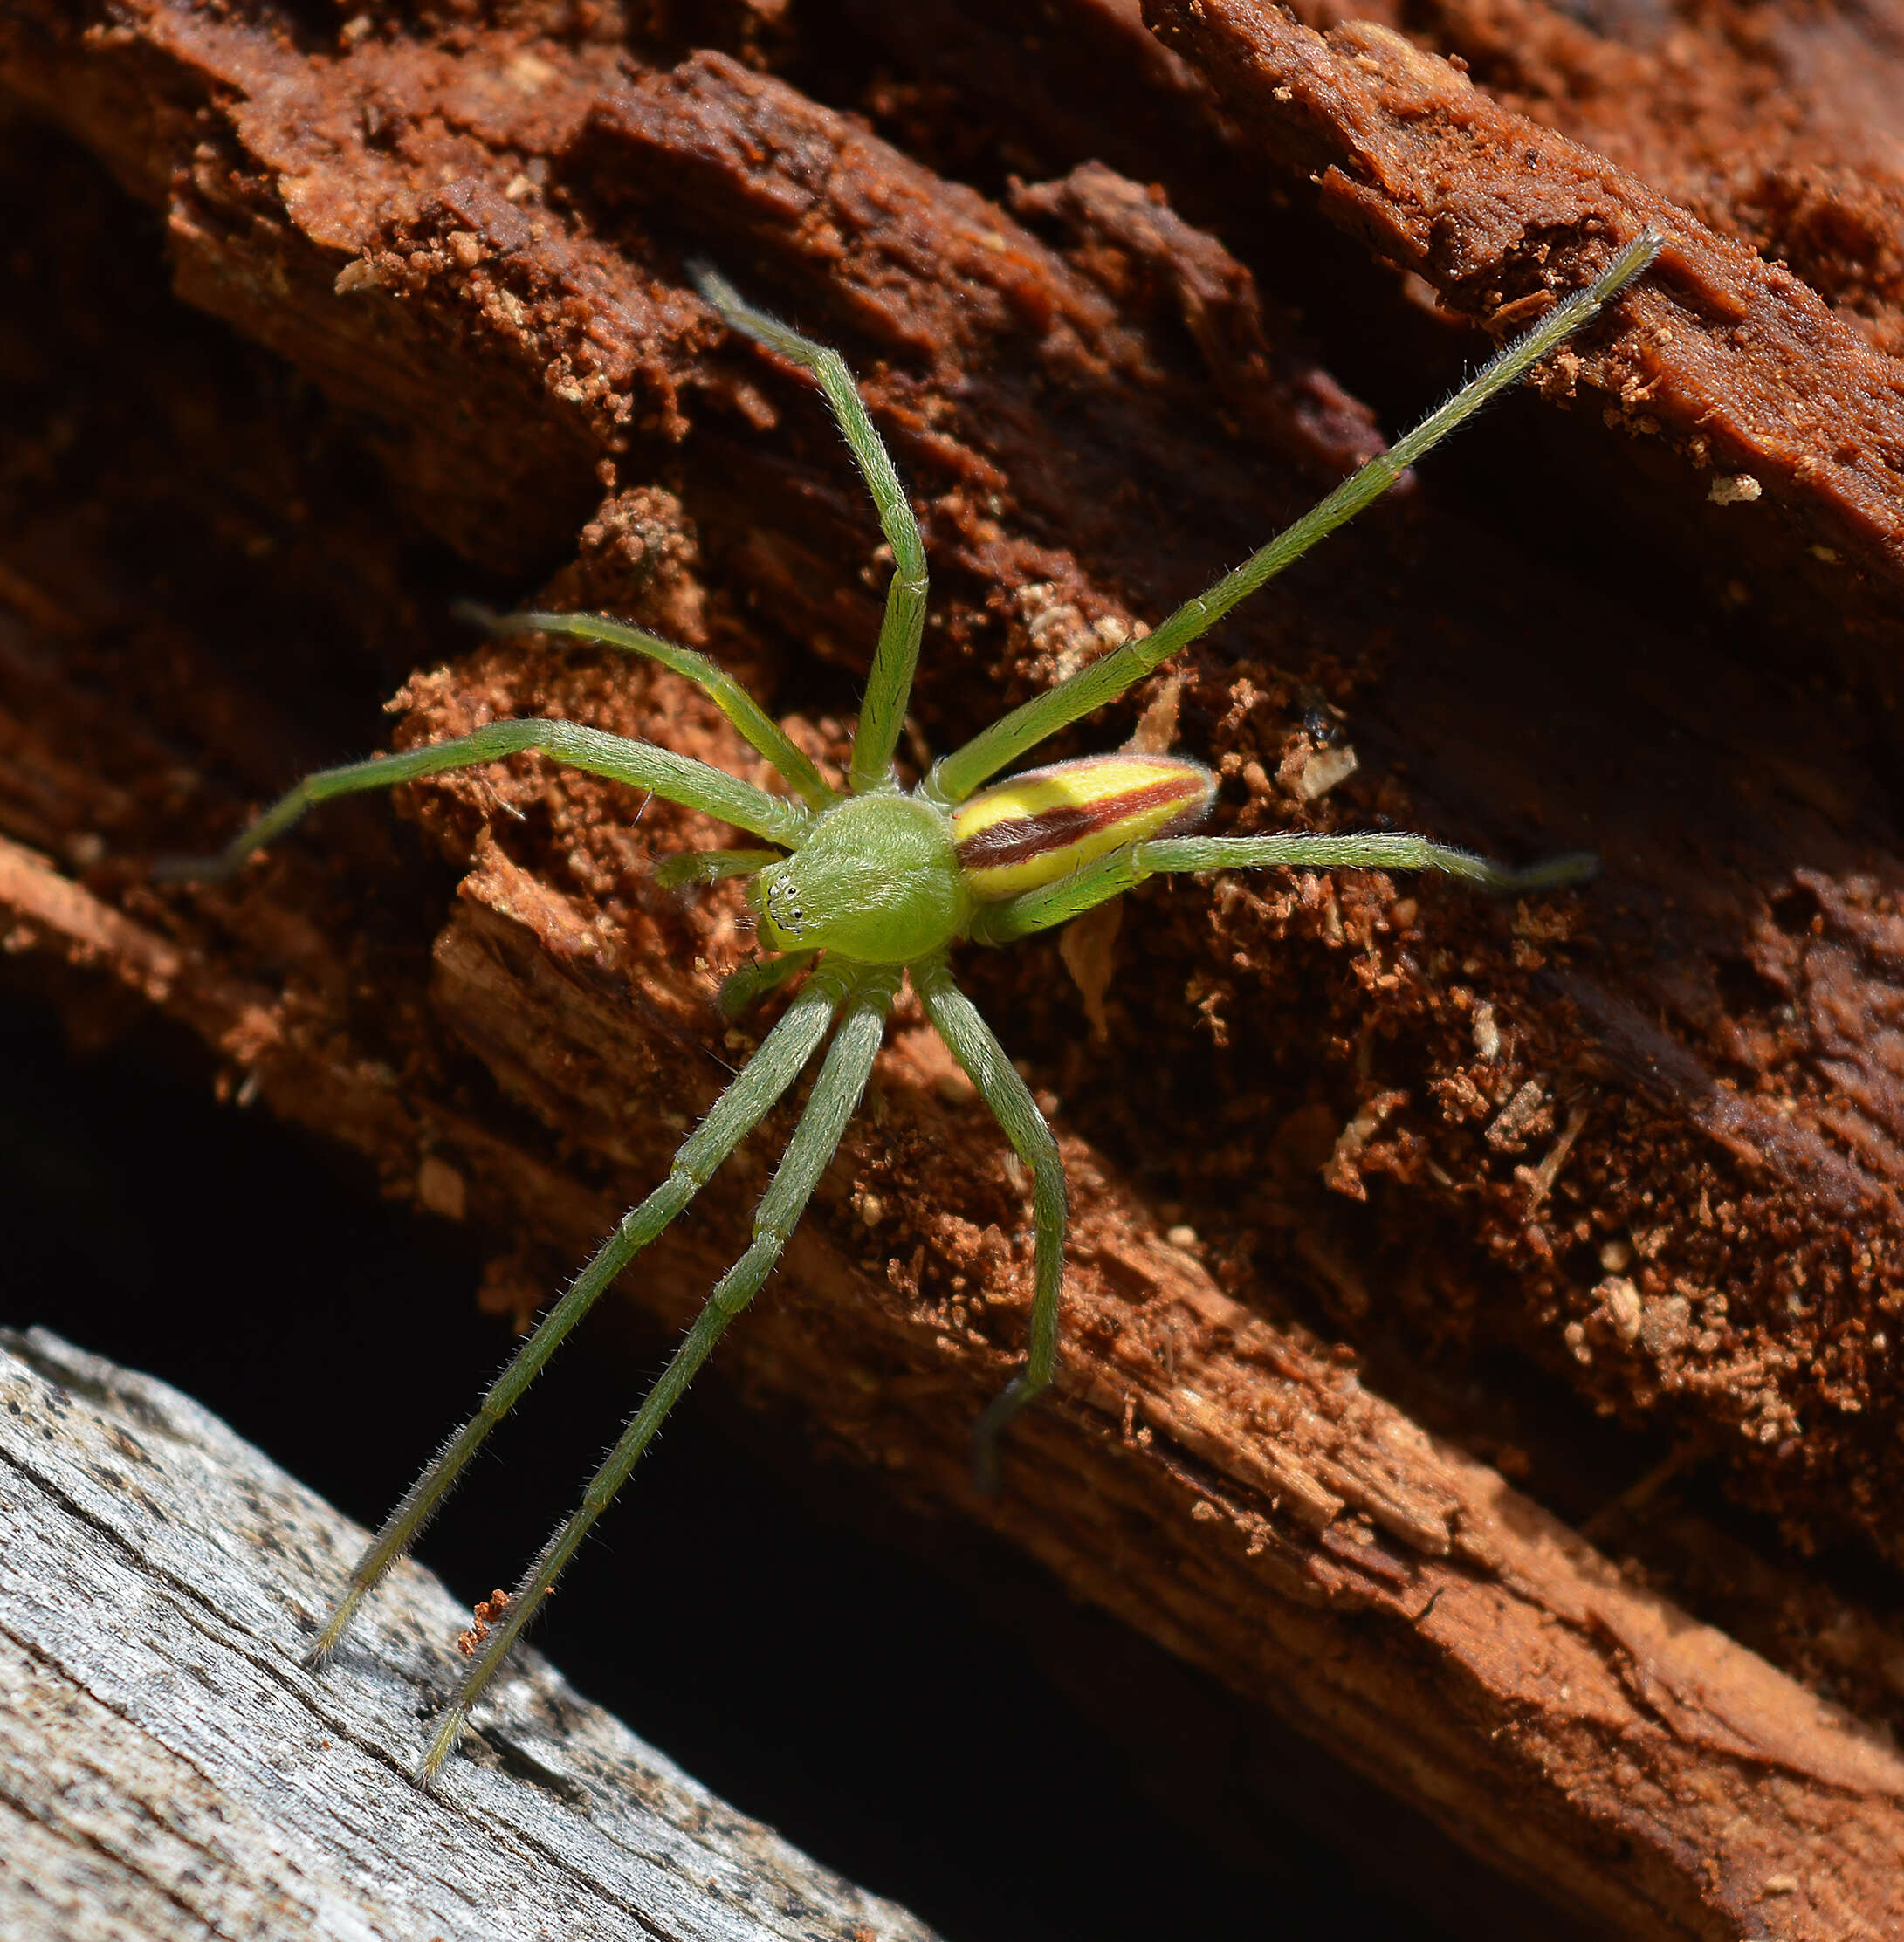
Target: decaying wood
167,1769
1737,362
1652,1137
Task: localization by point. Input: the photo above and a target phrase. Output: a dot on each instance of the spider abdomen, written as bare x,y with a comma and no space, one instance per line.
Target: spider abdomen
1036,828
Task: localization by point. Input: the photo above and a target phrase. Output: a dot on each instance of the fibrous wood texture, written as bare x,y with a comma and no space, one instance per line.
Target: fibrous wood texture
168,1770
1647,1140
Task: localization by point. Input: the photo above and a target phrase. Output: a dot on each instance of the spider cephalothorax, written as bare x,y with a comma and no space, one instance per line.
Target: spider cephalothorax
867,884
876,879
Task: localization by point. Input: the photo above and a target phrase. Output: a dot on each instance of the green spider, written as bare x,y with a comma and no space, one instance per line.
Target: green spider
877,882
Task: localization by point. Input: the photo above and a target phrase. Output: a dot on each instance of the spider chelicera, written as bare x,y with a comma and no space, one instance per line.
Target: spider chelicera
863,885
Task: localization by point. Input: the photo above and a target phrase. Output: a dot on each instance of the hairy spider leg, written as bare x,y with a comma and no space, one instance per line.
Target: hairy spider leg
889,686
710,866
762,732
957,775
641,765
973,1044
1110,876
782,1056
864,996
751,982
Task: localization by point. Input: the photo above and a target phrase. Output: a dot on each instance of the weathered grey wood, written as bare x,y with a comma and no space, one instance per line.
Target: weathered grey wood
168,1770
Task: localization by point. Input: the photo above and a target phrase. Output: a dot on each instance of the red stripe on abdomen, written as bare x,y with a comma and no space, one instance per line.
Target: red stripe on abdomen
1024,839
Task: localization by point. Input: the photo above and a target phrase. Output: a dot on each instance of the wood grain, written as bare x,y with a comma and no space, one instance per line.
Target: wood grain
1424,1122
169,1770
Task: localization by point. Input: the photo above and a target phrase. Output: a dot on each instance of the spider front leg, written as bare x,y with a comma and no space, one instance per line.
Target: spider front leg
757,727
865,997
642,765
970,1041
781,1057
883,707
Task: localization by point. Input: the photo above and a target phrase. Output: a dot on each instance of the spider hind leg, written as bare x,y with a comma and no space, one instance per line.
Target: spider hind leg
954,777
972,1042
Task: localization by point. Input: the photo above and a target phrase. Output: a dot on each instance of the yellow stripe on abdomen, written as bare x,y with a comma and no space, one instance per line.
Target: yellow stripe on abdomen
1032,829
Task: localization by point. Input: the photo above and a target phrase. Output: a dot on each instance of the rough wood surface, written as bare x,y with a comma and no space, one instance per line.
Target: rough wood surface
1741,367
167,1771
1649,1139
1233,1492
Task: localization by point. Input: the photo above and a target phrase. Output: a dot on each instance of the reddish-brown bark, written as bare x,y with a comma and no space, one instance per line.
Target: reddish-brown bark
1650,1137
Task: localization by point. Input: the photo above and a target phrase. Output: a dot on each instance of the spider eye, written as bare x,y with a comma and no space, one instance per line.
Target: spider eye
783,906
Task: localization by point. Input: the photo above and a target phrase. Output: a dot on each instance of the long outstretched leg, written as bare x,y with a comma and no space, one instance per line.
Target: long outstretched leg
679,778
970,1041
866,999
782,1055
761,729
999,923
957,775
889,687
